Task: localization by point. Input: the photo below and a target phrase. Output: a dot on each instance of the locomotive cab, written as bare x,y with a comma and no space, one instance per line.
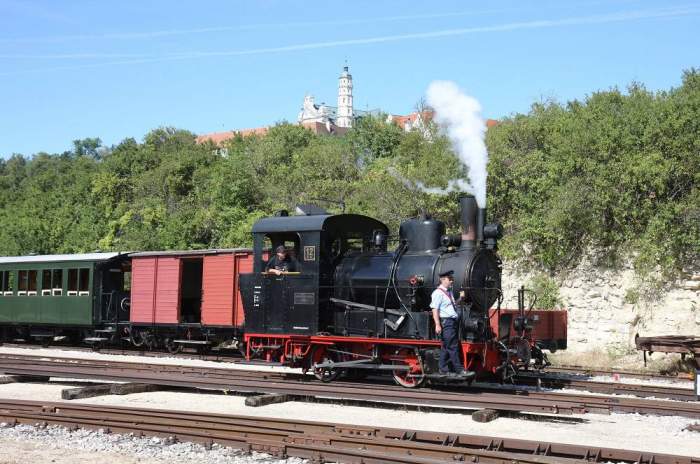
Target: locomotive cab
298,302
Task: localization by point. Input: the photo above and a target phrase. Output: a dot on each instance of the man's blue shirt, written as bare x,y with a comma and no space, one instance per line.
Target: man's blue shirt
444,302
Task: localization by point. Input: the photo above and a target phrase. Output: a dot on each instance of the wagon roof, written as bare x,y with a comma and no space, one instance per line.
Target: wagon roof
59,258
213,251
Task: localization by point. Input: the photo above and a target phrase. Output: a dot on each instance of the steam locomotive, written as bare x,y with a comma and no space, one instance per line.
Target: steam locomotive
356,306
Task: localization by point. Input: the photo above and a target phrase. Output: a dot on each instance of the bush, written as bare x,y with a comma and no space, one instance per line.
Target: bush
547,291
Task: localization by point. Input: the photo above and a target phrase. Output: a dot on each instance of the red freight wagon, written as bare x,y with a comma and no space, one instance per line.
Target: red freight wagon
179,297
549,327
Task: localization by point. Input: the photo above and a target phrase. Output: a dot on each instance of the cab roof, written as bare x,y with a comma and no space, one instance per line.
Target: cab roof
317,222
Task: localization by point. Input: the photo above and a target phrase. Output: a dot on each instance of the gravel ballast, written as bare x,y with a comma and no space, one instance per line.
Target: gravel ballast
56,445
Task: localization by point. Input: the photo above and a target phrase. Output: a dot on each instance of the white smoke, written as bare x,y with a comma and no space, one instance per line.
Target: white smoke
459,115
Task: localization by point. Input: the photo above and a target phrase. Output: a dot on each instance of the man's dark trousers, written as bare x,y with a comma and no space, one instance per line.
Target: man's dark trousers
450,346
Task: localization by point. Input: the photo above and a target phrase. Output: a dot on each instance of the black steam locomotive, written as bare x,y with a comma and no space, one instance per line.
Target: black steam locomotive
354,305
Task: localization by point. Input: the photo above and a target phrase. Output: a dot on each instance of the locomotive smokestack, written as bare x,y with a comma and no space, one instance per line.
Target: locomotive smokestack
480,223
468,208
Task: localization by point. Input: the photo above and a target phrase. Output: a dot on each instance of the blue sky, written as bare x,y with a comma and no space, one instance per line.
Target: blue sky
88,68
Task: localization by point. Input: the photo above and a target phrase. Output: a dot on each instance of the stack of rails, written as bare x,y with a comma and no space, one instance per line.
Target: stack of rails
588,371
301,387
686,345
318,441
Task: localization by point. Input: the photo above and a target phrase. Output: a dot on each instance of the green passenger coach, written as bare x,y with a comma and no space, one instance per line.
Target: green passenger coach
44,297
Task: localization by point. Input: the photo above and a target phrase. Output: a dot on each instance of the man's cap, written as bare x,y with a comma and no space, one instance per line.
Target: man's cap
280,249
447,274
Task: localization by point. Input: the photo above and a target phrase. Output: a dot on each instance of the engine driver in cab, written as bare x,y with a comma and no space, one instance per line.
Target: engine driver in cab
281,263
446,317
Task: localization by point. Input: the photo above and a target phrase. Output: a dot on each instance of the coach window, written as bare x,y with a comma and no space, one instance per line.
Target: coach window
6,283
72,282
22,283
32,284
46,282
84,283
57,282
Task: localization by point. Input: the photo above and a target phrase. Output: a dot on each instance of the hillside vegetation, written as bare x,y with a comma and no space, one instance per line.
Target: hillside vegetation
616,173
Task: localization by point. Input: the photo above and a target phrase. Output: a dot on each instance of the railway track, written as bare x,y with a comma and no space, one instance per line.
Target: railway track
304,387
608,388
319,441
233,357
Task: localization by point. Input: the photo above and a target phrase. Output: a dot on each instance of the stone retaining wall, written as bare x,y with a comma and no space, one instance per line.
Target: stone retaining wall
604,313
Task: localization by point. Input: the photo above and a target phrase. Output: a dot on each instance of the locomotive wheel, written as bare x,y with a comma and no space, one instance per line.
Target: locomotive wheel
522,350
321,355
413,377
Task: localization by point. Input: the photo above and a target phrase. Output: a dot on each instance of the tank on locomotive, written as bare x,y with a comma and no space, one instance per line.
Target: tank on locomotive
350,284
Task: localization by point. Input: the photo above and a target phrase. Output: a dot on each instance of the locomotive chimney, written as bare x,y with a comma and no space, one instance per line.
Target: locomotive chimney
468,208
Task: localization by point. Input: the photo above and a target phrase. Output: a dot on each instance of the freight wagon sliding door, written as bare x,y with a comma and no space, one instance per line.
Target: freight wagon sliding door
155,290
168,284
143,290
218,290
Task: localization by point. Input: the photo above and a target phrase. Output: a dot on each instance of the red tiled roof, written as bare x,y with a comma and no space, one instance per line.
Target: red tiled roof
321,128
220,137
402,120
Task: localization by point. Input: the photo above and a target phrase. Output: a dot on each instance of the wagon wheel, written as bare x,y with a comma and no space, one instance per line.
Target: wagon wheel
137,339
243,349
321,355
171,346
414,376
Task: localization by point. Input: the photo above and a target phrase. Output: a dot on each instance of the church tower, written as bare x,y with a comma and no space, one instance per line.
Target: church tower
344,117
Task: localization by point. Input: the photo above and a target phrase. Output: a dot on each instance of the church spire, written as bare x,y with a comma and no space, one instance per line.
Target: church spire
345,112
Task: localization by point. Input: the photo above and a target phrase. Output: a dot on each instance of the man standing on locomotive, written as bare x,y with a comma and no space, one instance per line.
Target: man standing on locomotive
281,263
446,319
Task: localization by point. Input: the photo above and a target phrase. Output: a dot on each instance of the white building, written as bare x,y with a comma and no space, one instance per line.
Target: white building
333,117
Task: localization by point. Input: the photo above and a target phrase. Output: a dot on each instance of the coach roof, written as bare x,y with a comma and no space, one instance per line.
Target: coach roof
59,258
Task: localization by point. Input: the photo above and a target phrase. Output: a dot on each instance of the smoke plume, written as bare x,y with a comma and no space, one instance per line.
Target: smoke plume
459,115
